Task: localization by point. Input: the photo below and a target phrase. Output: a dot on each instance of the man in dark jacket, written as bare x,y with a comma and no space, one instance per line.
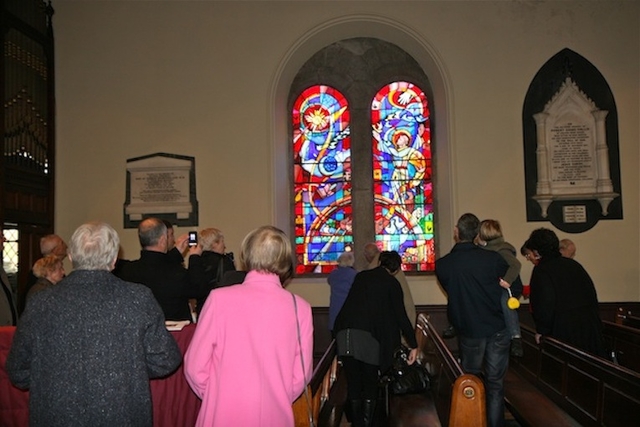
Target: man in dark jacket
470,276
87,347
171,283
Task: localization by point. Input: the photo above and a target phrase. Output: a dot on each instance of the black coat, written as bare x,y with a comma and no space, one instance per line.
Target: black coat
470,276
86,348
170,282
213,277
375,304
565,304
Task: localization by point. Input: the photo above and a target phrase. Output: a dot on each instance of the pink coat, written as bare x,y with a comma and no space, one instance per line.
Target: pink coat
244,359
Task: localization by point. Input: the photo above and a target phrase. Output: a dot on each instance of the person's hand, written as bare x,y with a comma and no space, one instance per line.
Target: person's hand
504,283
413,354
195,250
538,338
181,242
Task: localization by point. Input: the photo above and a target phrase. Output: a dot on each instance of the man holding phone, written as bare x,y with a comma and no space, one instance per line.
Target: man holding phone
171,283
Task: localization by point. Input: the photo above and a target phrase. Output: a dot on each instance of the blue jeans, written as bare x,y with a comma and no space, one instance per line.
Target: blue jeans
492,354
510,316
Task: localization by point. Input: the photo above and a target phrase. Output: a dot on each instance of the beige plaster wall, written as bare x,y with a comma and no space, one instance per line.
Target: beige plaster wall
205,78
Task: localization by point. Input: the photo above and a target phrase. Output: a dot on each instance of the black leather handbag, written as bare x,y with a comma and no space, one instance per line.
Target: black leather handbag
403,378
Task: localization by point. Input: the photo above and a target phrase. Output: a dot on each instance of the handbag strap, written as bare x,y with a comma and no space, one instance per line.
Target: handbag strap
304,374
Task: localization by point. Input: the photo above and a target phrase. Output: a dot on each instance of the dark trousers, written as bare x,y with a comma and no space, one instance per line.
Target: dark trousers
488,358
362,379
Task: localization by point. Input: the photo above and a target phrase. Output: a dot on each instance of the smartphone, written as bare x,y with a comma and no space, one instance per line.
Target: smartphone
193,238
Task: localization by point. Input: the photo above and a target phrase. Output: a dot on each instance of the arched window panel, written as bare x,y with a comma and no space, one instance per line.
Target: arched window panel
322,179
403,189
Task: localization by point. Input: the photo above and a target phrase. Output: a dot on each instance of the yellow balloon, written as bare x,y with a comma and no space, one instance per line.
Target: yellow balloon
513,303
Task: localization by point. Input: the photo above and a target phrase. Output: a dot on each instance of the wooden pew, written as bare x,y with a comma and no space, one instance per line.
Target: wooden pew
455,399
592,390
624,342
626,318
322,380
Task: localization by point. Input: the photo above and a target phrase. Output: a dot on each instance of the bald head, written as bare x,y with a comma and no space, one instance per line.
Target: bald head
53,244
152,234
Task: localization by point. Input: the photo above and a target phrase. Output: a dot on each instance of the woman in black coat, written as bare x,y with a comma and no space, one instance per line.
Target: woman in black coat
368,330
563,297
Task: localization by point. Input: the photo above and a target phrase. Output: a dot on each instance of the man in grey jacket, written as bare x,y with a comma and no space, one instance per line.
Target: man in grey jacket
87,347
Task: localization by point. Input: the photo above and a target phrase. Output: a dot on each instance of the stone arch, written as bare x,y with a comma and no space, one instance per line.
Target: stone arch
387,30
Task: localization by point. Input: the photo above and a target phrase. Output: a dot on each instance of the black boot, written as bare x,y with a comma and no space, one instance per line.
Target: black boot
369,411
354,412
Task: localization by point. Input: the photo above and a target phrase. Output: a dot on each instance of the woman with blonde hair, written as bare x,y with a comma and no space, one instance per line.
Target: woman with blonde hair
254,341
490,237
49,271
215,261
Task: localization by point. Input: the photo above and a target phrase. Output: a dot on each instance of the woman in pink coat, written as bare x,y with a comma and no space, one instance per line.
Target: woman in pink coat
247,361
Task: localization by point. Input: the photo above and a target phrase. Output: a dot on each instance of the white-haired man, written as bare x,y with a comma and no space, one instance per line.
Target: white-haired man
87,347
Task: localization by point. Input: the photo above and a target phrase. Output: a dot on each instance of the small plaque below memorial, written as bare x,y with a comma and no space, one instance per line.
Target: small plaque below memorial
574,214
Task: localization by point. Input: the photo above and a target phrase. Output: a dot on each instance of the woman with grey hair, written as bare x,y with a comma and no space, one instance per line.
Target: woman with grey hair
256,331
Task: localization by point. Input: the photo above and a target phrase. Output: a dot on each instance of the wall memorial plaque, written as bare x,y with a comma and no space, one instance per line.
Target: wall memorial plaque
572,154
163,186
572,164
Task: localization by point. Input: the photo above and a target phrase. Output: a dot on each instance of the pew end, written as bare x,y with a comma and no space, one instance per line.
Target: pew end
468,403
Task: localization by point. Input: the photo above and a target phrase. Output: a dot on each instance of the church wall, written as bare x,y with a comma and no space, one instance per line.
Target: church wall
197,78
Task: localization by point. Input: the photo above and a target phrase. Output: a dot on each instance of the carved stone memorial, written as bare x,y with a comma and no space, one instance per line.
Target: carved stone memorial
571,148
163,186
572,153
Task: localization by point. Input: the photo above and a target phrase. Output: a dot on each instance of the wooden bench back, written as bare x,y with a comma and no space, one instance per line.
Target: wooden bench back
627,318
594,391
624,342
323,377
459,397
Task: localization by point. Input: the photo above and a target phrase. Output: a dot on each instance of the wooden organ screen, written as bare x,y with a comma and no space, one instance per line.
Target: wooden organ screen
28,118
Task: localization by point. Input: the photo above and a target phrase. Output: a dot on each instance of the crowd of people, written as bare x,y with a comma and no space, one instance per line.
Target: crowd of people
474,274
107,302
87,344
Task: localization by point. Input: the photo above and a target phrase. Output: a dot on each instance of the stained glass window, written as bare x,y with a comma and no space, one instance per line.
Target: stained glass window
403,189
322,179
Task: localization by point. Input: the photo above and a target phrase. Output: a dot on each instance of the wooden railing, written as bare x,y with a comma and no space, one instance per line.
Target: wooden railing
308,405
459,397
592,390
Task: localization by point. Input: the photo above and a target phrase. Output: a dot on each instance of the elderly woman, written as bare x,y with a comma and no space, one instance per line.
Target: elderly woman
251,353
563,296
49,271
215,261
